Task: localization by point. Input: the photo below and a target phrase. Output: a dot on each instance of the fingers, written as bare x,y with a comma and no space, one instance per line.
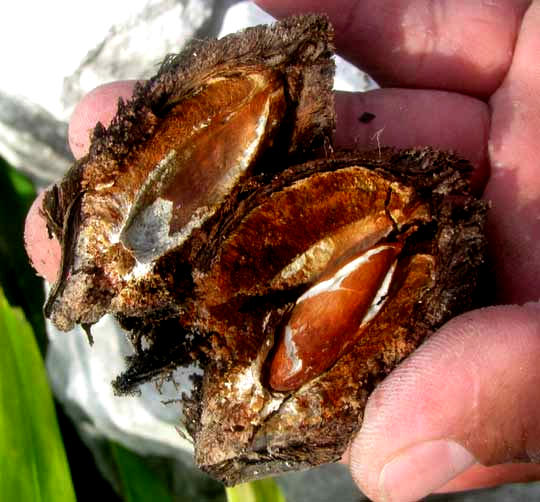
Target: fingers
514,186
406,118
97,106
479,476
468,395
44,253
454,45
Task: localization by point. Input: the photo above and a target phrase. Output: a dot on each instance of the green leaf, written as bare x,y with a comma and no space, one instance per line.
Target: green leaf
139,482
264,490
34,466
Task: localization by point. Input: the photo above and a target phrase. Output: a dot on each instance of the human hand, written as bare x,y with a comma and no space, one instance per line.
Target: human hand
474,382
459,75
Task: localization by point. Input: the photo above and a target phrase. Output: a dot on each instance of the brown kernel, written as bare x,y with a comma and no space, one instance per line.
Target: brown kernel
331,316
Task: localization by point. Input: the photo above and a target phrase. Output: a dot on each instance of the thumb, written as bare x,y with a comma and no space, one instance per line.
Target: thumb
469,394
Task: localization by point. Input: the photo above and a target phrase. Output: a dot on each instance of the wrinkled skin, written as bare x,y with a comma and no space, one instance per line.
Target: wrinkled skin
456,75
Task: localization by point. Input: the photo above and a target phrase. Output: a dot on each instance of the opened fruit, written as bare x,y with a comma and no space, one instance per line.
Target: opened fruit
215,221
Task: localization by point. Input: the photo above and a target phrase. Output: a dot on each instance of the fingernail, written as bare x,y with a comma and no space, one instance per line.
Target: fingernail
421,469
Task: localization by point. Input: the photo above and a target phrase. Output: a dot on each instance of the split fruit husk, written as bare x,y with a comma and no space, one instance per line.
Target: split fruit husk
215,221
